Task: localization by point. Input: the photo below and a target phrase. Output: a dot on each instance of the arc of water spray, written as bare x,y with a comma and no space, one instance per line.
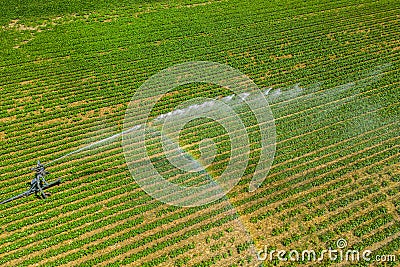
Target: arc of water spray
364,81
111,138
136,127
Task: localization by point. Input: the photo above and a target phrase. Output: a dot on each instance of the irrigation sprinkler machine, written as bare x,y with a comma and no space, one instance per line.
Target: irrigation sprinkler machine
37,185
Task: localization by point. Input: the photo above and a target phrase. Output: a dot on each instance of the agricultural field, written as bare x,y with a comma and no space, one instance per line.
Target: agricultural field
329,71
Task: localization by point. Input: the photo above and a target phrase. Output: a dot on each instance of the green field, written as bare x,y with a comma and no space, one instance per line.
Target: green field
68,71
